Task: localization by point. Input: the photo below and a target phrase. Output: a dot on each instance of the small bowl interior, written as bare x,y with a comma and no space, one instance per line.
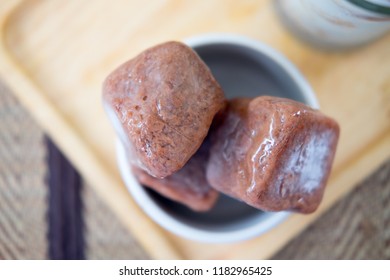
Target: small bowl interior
245,72
242,72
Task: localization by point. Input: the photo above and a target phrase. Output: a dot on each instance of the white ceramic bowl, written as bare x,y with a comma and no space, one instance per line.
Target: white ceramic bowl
243,67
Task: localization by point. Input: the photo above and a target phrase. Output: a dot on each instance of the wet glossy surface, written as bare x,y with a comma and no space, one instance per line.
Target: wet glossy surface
162,104
275,154
241,72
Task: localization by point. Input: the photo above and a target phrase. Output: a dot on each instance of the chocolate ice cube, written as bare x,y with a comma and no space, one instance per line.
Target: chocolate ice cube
162,103
187,186
273,153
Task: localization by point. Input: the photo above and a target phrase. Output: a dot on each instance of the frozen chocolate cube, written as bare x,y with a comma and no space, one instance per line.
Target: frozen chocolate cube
162,103
187,186
273,153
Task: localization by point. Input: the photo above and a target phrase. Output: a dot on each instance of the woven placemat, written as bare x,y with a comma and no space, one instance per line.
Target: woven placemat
25,199
358,227
23,192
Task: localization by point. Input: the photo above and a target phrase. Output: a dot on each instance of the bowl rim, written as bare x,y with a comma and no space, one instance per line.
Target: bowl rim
170,223
257,46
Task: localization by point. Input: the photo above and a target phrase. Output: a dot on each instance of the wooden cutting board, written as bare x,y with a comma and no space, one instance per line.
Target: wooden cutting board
55,55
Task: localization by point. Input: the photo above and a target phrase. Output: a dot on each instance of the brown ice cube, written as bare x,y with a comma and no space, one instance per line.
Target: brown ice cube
162,103
187,186
273,153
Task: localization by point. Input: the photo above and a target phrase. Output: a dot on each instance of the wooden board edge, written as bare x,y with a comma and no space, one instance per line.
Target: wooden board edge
21,85
152,238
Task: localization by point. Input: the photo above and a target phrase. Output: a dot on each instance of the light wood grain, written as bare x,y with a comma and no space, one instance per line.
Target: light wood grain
55,55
